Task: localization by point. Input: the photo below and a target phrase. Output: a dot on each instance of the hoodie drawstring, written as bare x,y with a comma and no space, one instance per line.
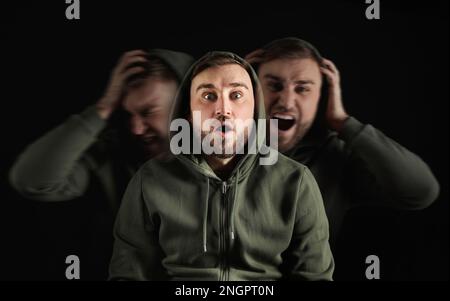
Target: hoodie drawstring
233,206
205,216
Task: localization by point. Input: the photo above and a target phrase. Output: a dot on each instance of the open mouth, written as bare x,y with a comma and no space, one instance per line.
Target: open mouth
285,122
224,128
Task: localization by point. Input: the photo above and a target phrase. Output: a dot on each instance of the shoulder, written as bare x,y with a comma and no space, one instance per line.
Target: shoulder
163,170
284,165
156,165
284,172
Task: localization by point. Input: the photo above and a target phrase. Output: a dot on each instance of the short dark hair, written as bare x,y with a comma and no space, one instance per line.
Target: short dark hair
155,67
210,60
215,59
290,48
295,48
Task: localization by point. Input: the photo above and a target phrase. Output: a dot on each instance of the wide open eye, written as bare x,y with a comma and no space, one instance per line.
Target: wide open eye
236,95
210,96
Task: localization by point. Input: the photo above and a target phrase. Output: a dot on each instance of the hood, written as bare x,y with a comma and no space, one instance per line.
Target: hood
179,62
181,109
247,161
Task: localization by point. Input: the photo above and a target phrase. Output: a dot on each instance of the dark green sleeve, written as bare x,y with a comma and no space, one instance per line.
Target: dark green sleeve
384,172
309,255
53,167
136,255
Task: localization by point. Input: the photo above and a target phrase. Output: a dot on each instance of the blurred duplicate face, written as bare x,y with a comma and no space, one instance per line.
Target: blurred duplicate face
149,107
223,94
291,95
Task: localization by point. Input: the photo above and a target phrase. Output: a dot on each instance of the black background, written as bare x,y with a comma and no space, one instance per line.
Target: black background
394,75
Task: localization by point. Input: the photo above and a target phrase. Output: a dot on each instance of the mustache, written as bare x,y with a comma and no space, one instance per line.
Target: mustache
219,124
225,127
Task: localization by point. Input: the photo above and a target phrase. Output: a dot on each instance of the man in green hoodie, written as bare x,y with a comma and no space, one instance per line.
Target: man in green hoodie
221,216
353,163
92,156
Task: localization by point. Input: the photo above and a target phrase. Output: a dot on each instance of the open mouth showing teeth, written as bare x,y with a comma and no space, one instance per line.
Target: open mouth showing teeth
284,122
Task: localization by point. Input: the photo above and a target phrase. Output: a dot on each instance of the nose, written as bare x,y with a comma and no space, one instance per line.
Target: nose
223,107
288,98
137,125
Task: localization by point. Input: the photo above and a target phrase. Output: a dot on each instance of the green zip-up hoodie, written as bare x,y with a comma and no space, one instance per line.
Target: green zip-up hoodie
83,152
360,165
85,160
179,221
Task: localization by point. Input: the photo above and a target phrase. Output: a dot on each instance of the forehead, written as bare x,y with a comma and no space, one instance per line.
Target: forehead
291,69
151,92
222,76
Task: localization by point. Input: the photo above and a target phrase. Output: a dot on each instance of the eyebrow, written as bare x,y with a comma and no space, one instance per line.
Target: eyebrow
301,82
143,106
239,84
151,103
205,86
146,107
211,86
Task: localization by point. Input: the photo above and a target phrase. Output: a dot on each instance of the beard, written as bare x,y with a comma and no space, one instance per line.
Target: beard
225,154
225,142
223,138
223,145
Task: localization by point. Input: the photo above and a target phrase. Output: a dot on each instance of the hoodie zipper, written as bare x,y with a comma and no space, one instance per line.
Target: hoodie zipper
223,231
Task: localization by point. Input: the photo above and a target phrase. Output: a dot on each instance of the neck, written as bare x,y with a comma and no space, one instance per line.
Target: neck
222,167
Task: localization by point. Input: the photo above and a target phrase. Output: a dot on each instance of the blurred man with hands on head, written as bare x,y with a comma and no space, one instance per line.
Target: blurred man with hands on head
93,155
